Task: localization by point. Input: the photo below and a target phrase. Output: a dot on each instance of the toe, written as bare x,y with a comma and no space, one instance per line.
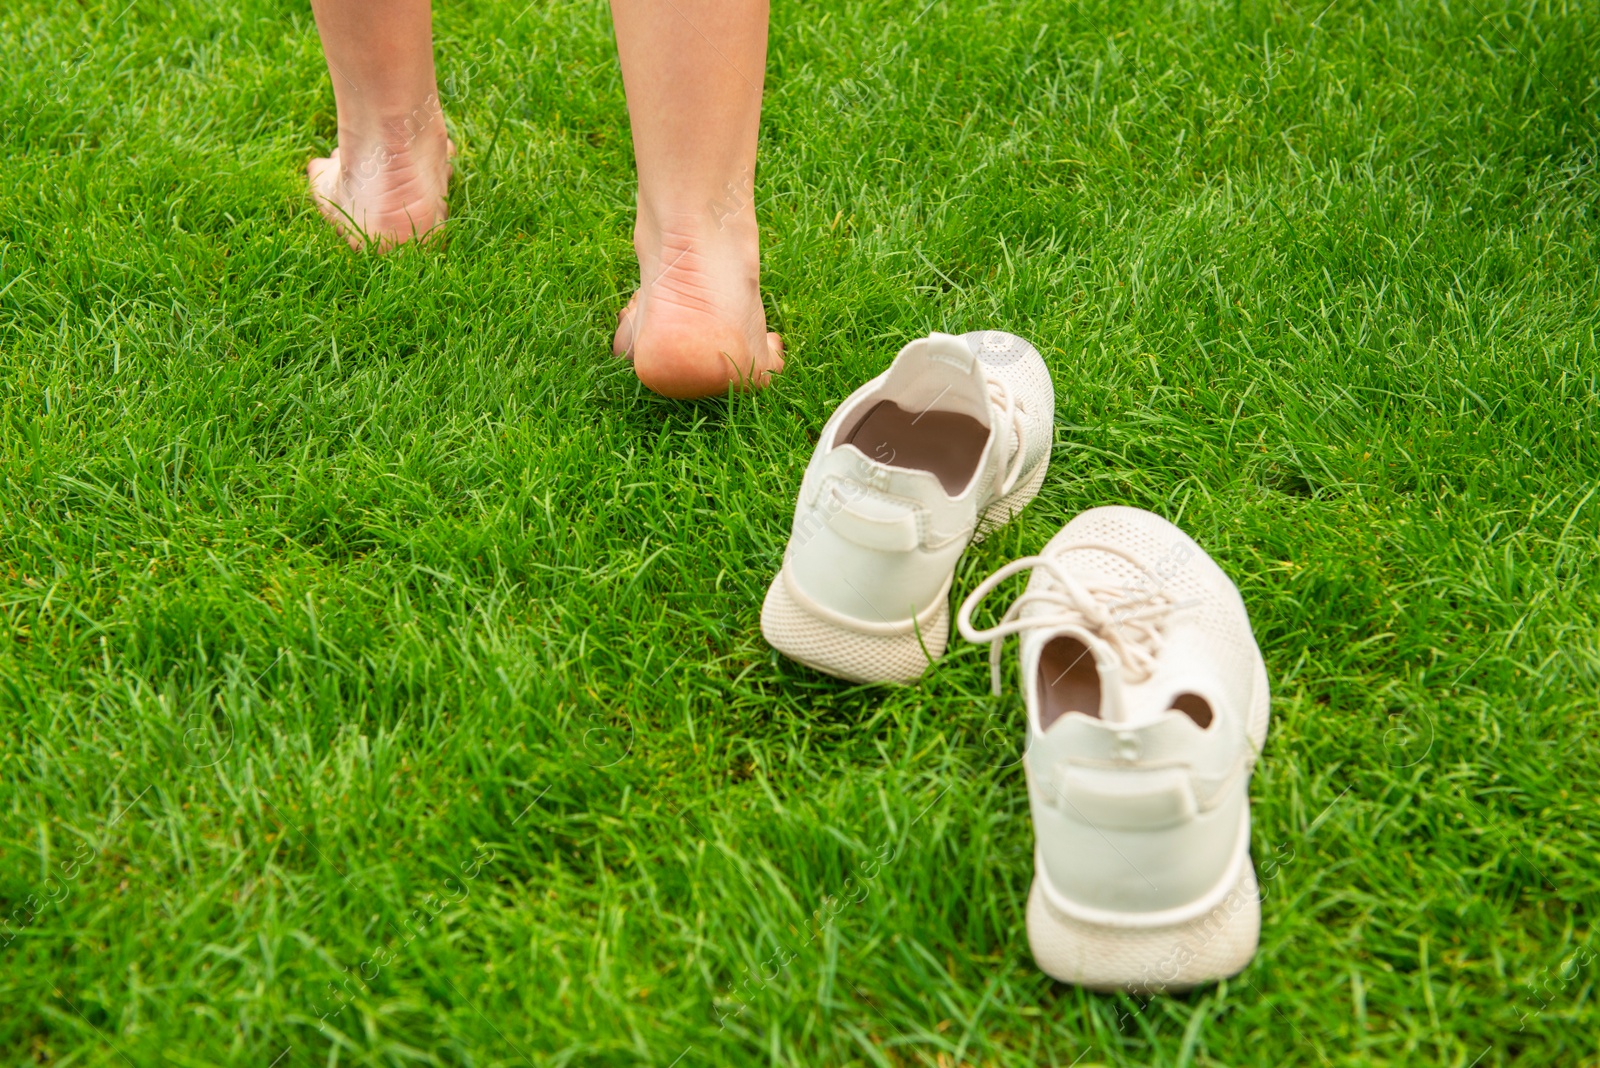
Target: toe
319,169
322,175
622,340
761,374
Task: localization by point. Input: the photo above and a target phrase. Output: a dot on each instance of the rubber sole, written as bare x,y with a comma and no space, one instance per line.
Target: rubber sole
1147,960
1006,508
1217,943
849,649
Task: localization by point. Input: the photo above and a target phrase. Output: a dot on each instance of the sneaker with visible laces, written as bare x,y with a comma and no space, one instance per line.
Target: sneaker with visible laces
947,444
1147,705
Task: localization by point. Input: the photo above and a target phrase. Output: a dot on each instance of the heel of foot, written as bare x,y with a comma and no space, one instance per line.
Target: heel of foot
686,361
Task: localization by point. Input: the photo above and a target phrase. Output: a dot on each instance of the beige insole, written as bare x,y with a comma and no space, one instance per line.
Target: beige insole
947,444
1068,681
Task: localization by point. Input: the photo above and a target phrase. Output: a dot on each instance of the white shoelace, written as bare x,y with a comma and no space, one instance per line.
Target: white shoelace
1126,618
1011,413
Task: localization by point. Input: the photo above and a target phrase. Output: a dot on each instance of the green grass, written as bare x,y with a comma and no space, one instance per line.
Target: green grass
380,665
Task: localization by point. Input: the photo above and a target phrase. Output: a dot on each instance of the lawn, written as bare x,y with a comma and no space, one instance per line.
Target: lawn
380,664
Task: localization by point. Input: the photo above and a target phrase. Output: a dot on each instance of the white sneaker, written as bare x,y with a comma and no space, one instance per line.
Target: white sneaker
1147,704
950,442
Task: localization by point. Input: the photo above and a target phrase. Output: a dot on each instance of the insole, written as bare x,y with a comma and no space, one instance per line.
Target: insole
1068,681
947,444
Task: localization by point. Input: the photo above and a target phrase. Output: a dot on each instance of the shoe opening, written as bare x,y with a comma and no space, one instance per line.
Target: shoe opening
1195,707
1069,681
946,444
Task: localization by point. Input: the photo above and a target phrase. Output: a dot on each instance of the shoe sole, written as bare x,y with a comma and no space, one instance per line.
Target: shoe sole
856,652
1214,945
859,651
1006,508
1148,960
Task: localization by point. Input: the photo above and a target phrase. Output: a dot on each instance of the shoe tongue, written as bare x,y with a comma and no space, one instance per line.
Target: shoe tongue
939,373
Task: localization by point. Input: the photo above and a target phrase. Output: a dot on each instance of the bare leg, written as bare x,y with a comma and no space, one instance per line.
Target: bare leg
693,71
388,177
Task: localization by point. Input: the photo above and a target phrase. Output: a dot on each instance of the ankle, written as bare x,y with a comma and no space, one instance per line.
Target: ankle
701,213
689,238
418,132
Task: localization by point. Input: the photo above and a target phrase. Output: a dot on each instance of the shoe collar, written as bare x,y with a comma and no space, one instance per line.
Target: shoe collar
939,372
1138,728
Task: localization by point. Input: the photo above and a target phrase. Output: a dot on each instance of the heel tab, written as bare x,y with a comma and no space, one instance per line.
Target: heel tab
952,350
1136,799
948,349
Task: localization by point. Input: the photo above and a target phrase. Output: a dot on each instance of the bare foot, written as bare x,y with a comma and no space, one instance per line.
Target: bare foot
696,325
387,193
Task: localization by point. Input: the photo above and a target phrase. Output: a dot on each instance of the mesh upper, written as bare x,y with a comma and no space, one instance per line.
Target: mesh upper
1214,612
803,621
1019,364
1207,645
